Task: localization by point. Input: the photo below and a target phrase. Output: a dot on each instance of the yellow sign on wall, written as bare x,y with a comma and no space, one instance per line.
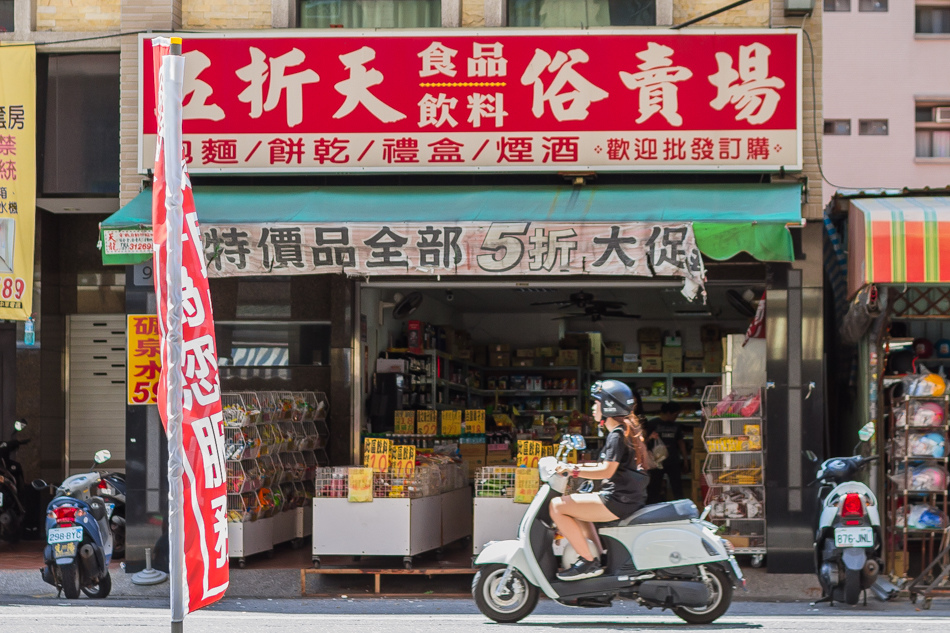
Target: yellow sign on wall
404,461
529,452
143,358
405,423
474,421
17,179
376,454
451,423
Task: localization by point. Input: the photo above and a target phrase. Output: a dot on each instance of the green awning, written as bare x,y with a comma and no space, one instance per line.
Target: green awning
727,218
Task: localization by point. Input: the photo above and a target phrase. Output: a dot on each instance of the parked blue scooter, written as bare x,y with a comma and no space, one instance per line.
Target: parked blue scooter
78,536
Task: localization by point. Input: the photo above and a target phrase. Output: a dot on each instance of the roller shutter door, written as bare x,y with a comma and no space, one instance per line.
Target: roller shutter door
96,392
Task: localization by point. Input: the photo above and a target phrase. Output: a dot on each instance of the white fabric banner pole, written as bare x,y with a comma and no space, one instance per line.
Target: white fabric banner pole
173,67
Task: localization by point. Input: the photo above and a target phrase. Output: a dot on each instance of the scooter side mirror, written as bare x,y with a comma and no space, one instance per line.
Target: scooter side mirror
39,484
19,425
102,456
810,456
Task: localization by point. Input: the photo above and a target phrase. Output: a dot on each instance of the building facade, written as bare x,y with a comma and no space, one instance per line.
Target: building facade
886,123
67,31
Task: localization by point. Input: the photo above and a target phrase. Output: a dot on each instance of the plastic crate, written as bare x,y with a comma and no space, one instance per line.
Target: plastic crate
241,443
495,481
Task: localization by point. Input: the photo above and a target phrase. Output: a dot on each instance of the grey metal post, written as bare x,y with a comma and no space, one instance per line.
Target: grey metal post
172,78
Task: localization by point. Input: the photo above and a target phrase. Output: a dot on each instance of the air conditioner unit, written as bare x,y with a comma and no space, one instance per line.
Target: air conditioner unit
942,114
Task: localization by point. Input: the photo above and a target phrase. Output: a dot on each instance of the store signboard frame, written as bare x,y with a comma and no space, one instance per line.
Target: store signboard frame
594,100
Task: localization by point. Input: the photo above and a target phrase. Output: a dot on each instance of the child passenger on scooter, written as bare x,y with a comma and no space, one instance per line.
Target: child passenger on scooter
621,467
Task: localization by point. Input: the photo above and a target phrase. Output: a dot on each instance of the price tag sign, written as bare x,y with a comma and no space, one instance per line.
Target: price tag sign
451,423
475,421
405,423
527,484
427,422
404,461
376,454
360,487
548,450
529,452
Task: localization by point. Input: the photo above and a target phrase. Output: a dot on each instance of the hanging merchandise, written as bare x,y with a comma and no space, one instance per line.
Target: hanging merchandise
932,445
942,348
921,478
922,414
923,348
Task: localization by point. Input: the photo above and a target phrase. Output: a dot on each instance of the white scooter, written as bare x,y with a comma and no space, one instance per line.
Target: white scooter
664,555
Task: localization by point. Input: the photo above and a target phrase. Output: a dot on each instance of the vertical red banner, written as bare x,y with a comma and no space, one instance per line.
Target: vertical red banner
204,499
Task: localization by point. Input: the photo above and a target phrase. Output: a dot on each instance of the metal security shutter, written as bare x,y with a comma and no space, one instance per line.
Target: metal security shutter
95,390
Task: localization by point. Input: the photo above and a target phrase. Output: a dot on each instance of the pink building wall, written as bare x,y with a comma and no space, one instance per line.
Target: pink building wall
874,67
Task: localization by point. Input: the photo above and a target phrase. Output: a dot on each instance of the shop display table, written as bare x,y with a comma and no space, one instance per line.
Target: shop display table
495,519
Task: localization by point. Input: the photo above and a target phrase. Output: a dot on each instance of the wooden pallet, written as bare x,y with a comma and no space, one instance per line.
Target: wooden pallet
379,573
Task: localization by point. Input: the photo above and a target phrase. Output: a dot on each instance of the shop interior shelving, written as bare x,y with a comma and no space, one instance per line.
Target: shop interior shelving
908,483
735,465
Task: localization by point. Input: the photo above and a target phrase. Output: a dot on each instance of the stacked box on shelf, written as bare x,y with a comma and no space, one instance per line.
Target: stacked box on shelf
734,467
917,500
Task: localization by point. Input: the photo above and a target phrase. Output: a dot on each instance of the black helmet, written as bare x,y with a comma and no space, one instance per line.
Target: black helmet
616,399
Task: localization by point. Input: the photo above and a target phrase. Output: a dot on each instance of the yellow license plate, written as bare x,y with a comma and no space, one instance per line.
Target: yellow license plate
64,550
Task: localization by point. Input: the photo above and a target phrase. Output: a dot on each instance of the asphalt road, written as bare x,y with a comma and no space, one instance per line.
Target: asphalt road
18,615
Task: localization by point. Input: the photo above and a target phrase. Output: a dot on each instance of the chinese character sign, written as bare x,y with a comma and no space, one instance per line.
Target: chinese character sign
456,248
17,179
509,100
204,498
144,360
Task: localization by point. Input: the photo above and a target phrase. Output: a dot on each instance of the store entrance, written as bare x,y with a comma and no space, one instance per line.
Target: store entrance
526,352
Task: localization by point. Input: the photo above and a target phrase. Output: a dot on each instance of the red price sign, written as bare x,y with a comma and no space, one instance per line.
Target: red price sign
12,288
404,460
376,454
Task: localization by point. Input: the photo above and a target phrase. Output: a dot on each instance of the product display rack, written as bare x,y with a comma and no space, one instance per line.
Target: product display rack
734,468
915,423
273,445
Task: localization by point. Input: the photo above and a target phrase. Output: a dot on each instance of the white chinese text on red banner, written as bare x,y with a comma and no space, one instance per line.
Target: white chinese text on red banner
204,498
439,100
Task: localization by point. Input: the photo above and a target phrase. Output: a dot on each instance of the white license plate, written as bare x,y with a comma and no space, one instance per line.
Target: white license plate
110,508
64,535
854,537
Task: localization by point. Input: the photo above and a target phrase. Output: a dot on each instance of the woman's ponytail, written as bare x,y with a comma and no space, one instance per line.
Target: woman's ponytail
633,435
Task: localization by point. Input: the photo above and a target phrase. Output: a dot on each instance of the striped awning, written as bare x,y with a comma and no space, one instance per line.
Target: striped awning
898,240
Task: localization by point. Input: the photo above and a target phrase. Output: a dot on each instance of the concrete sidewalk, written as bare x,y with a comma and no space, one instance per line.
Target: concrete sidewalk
285,583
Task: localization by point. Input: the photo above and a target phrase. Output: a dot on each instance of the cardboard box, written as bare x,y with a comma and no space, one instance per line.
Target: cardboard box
391,366
694,366
415,334
568,358
673,341
499,359
499,347
738,541
651,364
545,352
613,349
499,458
649,335
651,349
672,354
712,363
613,363
693,353
631,358
480,354
472,465
672,367
630,368
709,332
522,362
526,352
596,351
712,346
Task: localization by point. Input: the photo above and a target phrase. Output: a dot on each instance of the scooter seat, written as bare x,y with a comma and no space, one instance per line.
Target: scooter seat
680,510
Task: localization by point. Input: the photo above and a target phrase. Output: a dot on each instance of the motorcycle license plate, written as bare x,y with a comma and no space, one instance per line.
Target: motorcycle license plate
110,508
854,537
64,550
64,535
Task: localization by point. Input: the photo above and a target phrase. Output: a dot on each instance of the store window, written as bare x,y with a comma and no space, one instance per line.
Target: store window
81,115
932,130
872,127
837,5
872,5
581,13
838,127
272,344
932,20
6,16
368,14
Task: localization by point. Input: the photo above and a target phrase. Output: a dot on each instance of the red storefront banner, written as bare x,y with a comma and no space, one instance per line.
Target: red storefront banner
450,100
203,499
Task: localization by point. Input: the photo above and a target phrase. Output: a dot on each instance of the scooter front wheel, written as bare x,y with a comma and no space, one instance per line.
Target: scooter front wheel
509,604
720,589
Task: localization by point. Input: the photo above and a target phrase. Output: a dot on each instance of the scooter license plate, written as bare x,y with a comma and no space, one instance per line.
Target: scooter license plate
64,535
110,509
64,550
854,537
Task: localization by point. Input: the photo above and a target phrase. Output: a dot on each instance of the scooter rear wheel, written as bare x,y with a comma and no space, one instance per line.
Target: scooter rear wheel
515,604
721,589
70,579
101,590
852,586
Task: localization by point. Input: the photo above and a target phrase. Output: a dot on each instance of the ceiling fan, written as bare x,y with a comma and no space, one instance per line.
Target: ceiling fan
583,301
598,312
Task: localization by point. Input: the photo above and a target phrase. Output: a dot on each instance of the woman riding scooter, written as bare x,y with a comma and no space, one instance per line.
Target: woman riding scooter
624,487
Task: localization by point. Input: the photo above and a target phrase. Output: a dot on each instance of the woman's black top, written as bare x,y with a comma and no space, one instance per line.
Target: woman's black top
625,491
